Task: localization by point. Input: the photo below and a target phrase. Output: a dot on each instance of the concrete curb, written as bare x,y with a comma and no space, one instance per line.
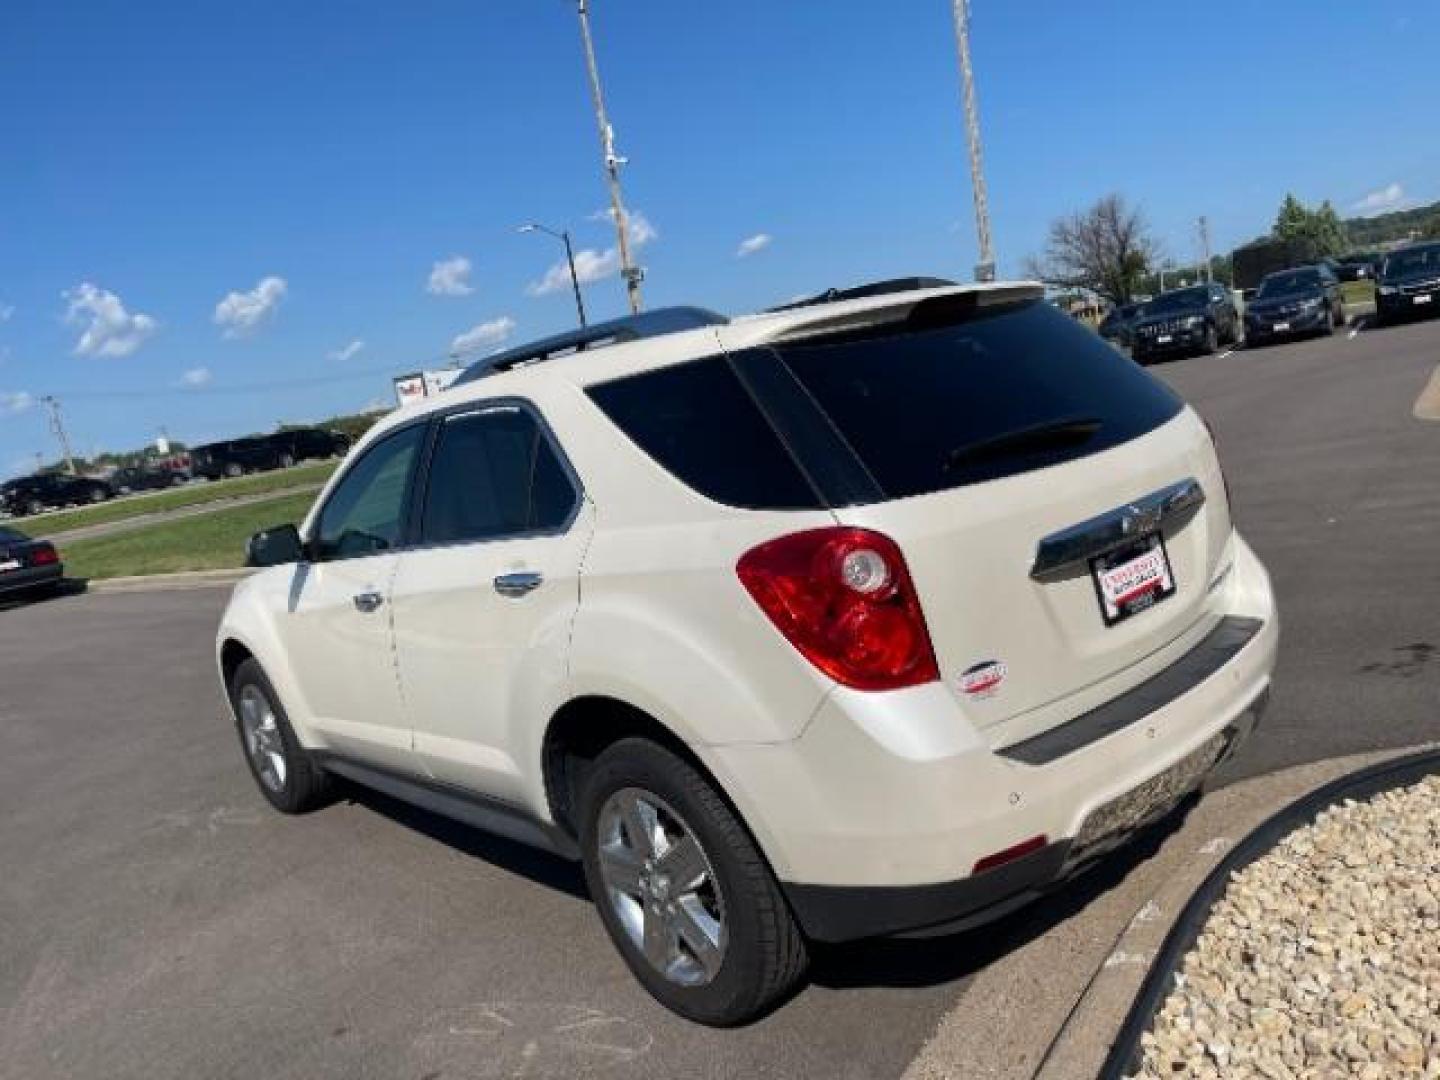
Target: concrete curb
1084,1044
189,579
1362,784
1075,983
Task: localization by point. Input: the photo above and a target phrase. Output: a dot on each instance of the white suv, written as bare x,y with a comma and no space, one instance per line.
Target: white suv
870,616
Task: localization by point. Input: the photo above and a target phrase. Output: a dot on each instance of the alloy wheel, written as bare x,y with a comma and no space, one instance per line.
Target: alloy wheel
660,886
261,733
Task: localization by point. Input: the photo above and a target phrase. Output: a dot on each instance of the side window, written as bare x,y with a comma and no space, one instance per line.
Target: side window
494,474
365,514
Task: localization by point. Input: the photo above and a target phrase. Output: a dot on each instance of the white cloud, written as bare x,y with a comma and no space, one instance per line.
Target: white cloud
450,277
592,265
484,335
1382,201
14,402
110,330
240,313
348,352
6,310
752,244
194,377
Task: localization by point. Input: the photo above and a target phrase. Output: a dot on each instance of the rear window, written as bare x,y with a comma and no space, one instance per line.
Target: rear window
1010,389
698,422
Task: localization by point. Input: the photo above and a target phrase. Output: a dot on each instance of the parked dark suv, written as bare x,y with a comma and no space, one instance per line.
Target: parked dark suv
48,491
1305,300
260,452
1118,324
1409,283
134,478
306,444
1195,319
235,457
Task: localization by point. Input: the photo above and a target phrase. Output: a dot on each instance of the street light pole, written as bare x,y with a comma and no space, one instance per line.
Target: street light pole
563,235
628,270
985,271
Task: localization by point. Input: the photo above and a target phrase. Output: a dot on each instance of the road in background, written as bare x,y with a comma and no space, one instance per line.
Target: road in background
161,921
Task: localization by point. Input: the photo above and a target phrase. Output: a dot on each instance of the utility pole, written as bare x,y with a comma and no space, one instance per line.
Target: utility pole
1205,244
985,270
58,427
632,274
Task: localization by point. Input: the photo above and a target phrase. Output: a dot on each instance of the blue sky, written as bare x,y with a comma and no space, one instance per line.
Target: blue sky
318,161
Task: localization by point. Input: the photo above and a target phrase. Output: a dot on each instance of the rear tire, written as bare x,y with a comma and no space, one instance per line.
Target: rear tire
286,461
760,955
233,470
286,775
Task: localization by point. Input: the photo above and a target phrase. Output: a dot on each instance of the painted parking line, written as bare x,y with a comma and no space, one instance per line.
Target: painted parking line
1226,353
1360,324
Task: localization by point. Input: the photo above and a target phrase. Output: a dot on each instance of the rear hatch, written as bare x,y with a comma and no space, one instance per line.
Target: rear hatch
1004,433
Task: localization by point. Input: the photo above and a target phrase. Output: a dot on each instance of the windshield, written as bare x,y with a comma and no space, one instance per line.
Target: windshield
1288,283
1413,261
1179,300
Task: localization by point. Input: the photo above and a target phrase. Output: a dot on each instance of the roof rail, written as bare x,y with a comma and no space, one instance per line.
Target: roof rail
671,320
873,288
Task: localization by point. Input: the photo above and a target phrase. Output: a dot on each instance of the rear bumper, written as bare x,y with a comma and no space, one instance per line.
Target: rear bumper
30,577
875,818
848,913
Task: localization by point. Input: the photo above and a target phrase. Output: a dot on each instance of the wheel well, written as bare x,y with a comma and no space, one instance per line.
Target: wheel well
232,655
580,732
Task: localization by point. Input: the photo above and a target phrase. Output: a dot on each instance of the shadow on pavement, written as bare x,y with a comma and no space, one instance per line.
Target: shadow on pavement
922,962
527,862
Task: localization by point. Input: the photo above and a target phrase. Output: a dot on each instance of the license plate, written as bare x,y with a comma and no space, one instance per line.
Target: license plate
1281,327
1132,579
1424,299
9,564
1164,339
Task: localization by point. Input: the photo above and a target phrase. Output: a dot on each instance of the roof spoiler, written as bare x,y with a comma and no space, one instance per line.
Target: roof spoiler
915,313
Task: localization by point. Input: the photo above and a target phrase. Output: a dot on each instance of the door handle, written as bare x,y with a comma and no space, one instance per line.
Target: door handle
518,584
367,601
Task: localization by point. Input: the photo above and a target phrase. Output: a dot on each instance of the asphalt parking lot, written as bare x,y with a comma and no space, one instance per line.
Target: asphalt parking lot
158,920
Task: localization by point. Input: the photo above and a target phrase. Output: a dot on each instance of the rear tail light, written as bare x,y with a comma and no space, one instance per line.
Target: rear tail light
843,597
44,556
1010,854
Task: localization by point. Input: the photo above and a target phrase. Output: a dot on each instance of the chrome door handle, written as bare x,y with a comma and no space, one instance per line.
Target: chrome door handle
367,601
519,584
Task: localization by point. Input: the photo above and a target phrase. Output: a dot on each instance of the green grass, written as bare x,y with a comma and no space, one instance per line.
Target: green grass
211,541
1358,293
190,495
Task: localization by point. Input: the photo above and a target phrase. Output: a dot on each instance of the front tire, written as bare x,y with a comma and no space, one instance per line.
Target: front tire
684,893
1211,342
290,781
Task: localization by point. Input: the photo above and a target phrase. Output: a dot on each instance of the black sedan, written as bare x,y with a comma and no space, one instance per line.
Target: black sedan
50,491
1305,300
27,566
1196,319
135,478
1409,283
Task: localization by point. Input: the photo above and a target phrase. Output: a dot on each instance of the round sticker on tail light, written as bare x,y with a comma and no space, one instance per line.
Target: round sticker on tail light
982,680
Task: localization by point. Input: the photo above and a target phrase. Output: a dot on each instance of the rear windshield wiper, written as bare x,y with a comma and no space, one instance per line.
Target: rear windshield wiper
1052,435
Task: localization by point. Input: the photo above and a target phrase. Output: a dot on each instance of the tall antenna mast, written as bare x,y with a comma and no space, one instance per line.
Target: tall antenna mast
985,271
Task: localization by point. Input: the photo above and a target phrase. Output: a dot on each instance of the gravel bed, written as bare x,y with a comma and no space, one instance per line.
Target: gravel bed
1321,959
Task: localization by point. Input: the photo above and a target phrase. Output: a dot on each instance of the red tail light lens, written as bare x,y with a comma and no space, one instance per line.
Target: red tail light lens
44,556
843,597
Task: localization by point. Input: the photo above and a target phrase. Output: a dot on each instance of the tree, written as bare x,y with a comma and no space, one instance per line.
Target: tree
1321,231
1432,229
1107,249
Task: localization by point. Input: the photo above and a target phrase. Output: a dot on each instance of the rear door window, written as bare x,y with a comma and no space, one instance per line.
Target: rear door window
699,423
494,474
1009,389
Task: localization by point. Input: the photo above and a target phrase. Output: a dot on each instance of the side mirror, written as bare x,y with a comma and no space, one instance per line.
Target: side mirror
275,547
